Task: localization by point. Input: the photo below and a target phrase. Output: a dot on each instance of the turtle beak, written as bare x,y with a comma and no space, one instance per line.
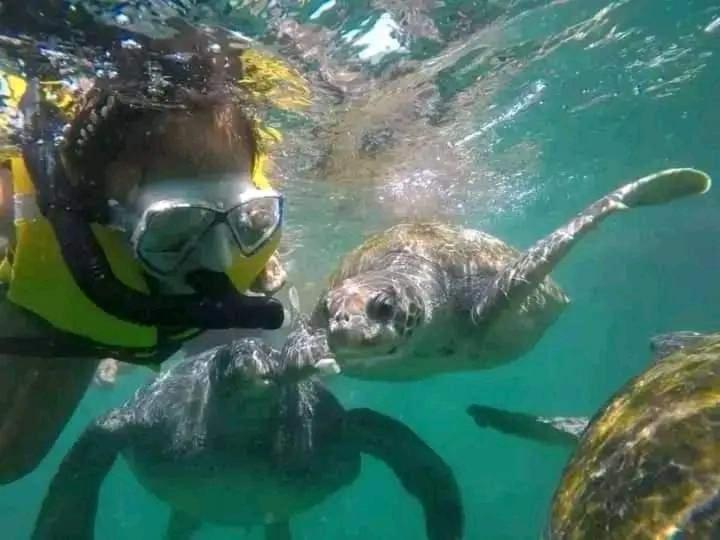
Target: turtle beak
342,335
345,328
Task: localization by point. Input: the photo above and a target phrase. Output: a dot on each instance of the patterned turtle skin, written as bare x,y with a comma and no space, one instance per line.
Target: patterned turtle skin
648,466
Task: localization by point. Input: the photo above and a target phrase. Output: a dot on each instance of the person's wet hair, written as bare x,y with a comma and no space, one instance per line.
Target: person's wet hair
206,139
196,124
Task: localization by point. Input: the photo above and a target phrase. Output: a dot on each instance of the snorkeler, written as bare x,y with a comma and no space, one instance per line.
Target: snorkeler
137,226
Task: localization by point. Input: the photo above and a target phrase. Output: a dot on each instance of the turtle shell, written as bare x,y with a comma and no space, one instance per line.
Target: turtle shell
649,464
460,252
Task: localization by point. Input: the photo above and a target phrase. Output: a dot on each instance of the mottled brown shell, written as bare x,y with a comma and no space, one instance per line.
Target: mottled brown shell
650,458
460,252
466,255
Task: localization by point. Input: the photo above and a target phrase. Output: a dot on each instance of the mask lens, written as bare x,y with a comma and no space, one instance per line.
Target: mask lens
254,222
170,233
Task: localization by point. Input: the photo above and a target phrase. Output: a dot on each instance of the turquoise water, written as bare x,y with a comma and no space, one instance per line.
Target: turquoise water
544,106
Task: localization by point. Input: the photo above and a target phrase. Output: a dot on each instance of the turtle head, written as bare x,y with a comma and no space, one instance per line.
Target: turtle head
242,377
373,314
246,363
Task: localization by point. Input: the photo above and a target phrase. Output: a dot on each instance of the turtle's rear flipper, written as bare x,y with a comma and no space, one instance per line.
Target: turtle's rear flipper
520,278
421,471
70,505
278,531
558,431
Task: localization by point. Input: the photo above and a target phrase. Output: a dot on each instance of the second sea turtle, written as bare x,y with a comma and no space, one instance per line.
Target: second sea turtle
421,299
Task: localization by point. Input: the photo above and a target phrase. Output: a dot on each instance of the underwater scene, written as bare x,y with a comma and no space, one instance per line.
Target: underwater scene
461,345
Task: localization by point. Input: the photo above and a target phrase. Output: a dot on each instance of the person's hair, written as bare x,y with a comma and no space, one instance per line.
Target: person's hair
210,136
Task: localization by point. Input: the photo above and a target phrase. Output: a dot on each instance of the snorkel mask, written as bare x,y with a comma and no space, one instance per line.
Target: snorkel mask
222,224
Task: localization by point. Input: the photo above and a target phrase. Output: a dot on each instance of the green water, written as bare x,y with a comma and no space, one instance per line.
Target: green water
622,92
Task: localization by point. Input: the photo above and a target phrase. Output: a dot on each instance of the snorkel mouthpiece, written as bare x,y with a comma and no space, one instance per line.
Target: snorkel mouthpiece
248,311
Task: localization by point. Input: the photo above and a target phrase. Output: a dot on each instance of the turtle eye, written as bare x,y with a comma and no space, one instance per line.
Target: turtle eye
381,307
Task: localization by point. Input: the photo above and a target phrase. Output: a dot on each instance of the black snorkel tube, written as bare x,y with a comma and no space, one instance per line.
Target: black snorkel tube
217,305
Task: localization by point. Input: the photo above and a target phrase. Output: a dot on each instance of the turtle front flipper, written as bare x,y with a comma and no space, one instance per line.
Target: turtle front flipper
519,279
38,393
558,431
421,471
278,531
70,505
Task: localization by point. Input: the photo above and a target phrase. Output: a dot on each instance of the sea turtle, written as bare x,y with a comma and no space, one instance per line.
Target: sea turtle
239,436
647,466
421,299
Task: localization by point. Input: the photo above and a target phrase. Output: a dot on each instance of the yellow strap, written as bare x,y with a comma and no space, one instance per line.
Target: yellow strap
244,271
13,89
22,185
259,177
5,270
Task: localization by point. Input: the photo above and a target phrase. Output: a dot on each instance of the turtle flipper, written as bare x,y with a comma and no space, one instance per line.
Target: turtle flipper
39,393
520,278
278,531
421,471
181,526
70,505
306,351
559,431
